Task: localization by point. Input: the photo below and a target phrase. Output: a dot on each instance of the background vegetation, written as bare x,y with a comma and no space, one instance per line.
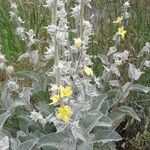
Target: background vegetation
136,134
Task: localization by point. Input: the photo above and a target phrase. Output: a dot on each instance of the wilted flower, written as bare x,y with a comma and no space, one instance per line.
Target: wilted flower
64,113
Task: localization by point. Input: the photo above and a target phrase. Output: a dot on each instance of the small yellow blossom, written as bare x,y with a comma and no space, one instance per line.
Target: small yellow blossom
78,42
65,91
88,71
119,19
122,32
64,113
55,99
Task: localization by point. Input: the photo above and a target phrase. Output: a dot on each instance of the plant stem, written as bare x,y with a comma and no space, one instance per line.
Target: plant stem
54,22
121,100
81,25
81,34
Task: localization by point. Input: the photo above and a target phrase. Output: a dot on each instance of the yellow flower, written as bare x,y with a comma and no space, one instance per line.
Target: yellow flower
119,19
78,42
88,71
55,99
65,91
122,31
64,113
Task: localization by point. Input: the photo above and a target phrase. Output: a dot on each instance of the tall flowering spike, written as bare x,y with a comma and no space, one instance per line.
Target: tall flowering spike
64,113
122,32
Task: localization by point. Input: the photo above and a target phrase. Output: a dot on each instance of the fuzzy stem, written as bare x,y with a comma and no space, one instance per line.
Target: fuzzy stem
81,34
121,100
54,22
81,25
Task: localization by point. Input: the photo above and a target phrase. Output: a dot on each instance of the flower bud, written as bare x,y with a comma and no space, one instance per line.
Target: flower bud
78,42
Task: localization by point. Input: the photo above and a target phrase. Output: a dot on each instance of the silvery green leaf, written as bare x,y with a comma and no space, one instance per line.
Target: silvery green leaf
59,125
106,136
116,71
97,102
85,146
3,118
107,146
53,139
114,83
24,56
6,99
125,87
92,120
34,57
105,107
15,104
80,133
47,148
139,87
28,145
117,118
25,122
15,143
25,96
113,69
104,59
28,74
4,143
133,72
68,144
145,49
111,50
21,134
129,111
105,122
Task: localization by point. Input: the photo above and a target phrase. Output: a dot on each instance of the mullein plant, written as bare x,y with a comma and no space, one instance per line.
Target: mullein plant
67,107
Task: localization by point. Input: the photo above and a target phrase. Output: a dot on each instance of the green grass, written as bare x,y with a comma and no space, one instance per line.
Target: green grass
35,17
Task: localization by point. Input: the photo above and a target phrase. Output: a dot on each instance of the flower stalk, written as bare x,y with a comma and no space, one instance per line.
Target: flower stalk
81,34
54,22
